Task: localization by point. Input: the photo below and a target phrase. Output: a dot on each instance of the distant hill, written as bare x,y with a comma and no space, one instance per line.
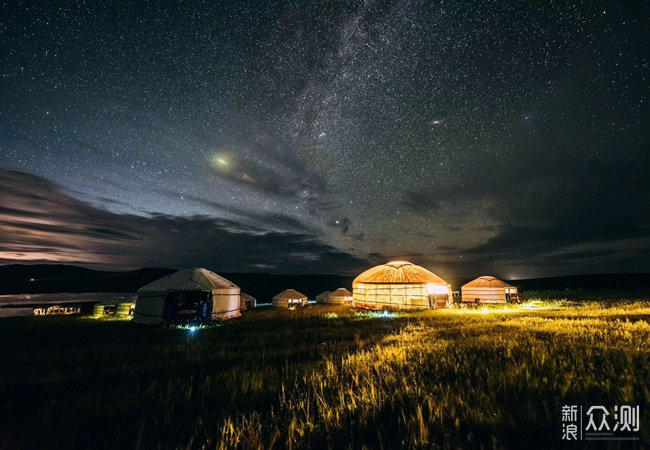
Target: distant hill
585,282
51,278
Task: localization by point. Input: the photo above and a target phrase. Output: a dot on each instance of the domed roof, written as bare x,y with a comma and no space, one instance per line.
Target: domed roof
341,292
194,279
399,272
290,294
487,281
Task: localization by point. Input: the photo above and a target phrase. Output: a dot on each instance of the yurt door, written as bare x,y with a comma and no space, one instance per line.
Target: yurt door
188,306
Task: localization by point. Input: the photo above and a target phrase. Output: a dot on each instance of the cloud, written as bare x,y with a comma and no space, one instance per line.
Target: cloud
40,223
422,201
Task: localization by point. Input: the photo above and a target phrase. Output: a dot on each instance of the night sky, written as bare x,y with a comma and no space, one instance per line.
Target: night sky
508,138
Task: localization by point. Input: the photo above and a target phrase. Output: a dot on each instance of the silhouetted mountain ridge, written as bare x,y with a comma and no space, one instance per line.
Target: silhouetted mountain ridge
53,278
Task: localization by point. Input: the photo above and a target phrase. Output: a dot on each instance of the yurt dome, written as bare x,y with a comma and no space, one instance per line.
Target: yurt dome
194,294
400,285
290,297
322,297
488,289
340,296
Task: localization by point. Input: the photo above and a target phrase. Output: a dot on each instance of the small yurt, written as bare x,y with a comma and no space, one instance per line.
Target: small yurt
289,298
247,302
341,296
400,285
322,297
487,289
186,296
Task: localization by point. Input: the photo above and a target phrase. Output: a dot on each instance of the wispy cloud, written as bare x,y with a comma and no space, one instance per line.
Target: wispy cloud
40,223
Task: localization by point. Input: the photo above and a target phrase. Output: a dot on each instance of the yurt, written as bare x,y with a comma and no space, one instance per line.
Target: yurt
288,298
400,285
487,289
187,296
247,301
341,296
322,297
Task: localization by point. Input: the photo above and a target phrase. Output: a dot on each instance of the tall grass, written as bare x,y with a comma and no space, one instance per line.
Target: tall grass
323,377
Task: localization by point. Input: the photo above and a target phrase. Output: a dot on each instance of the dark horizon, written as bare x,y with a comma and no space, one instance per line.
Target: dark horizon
502,139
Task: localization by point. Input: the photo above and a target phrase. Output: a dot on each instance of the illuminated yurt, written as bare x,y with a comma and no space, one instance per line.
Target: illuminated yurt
341,296
190,295
289,298
400,285
322,297
487,289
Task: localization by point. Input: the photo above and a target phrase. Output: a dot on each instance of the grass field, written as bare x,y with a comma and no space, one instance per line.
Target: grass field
324,377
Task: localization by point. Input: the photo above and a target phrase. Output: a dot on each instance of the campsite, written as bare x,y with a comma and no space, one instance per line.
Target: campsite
327,375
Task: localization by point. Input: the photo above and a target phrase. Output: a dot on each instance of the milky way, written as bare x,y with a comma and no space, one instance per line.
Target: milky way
508,138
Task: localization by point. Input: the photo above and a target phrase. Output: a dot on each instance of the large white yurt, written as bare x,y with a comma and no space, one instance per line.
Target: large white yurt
487,289
188,295
341,296
400,285
288,298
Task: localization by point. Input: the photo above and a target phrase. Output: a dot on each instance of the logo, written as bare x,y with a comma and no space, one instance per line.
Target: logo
599,423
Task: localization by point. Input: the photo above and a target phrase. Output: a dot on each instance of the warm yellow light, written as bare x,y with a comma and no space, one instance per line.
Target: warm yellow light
433,288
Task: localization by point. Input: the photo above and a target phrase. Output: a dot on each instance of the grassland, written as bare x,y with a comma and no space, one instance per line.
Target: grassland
324,377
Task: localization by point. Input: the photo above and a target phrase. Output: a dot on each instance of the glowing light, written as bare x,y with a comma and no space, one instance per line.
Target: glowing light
433,288
397,263
484,310
221,162
192,329
386,313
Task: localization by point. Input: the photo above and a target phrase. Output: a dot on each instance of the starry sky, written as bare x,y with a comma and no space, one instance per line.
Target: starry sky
508,138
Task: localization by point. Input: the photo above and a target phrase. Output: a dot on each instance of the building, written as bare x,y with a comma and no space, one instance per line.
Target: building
487,289
400,285
289,298
187,296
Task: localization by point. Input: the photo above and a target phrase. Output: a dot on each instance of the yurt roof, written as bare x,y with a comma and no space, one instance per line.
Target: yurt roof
247,297
194,279
290,294
323,295
398,272
341,292
487,281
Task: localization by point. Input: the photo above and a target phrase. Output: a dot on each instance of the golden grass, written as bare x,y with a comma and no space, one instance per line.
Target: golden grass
329,377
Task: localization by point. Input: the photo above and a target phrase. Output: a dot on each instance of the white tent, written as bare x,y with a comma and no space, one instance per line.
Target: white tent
187,295
247,301
487,289
290,297
322,297
341,296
